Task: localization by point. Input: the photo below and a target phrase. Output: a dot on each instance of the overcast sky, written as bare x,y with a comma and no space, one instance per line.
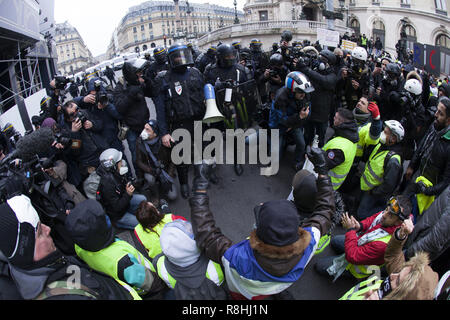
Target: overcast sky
96,20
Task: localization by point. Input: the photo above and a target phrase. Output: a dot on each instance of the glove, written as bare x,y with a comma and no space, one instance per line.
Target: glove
201,175
318,159
420,187
301,64
374,110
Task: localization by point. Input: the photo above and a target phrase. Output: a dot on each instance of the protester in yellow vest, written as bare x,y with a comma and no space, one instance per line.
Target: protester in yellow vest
367,116
151,223
341,148
383,170
184,268
95,244
407,280
362,248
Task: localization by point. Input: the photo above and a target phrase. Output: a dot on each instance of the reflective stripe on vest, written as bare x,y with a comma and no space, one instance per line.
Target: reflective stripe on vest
374,171
340,172
213,273
150,239
107,259
358,291
362,271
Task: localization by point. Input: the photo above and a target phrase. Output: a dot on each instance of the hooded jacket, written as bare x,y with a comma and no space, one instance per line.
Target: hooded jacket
34,283
254,269
432,159
348,130
431,233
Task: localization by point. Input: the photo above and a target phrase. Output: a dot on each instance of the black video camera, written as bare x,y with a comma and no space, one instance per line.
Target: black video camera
61,82
81,116
65,141
100,96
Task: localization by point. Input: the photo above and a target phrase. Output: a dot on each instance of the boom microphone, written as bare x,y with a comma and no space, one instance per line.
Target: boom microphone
27,147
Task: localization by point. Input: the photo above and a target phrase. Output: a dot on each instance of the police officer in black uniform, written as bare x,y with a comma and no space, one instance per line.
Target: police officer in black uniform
227,72
206,58
159,64
260,61
180,101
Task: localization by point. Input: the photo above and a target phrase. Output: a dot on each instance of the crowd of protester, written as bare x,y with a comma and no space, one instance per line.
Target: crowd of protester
372,148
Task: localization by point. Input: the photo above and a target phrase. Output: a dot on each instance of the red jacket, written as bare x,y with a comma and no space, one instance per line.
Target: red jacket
371,253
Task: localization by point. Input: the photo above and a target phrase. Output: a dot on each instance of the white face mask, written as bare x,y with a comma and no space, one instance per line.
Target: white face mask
144,135
383,138
124,168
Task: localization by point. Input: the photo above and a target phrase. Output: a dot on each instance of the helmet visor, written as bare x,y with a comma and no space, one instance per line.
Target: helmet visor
180,56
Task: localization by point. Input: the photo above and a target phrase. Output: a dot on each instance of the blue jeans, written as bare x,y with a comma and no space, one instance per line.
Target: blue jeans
128,220
369,205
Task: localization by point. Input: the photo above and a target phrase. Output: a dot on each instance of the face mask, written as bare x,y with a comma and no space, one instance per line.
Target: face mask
383,138
123,169
144,135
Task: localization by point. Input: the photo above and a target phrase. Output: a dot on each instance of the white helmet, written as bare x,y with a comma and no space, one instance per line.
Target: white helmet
298,82
110,157
413,86
396,128
359,53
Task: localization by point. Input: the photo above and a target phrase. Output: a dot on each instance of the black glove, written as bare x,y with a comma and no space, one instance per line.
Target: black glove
317,157
420,187
201,177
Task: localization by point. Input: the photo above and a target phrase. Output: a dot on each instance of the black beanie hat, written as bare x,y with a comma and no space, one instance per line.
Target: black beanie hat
304,191
89,226
277,223
18,224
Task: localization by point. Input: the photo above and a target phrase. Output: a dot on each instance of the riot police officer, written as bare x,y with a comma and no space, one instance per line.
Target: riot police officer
179,102
226,72
258,66
159,64
206,58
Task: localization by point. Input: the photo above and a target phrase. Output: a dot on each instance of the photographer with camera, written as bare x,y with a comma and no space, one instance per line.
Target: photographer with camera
52,107
87,142
355,79
324,81
99,103
275,75
154,162
129,100
388,94
116,190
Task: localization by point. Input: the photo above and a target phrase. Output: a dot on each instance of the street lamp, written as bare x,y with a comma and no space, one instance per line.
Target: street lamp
342,5
236,20
209,22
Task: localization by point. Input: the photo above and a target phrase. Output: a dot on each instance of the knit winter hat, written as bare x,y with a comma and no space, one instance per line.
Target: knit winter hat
89,226
305,191
18,225
178,243
48,123
277,222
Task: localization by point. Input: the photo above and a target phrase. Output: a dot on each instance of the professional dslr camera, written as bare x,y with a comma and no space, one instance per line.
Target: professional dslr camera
65,141
61,82
81,116
100,96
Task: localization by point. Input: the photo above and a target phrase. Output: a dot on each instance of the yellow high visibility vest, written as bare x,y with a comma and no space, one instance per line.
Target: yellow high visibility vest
340,172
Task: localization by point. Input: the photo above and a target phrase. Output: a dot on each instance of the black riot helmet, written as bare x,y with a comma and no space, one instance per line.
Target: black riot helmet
237,45
212,51
130,69
286,35
160,55
180,56
276,60
393,70
329,56
255,45
226,56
